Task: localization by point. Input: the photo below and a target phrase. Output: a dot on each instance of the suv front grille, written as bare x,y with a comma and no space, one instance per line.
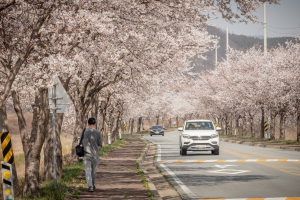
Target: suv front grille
200,137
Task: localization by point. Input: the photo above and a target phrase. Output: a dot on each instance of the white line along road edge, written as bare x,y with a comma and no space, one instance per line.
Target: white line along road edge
178,181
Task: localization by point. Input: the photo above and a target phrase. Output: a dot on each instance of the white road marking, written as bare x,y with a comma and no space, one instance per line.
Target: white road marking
230,160
178,181
224,166
229,171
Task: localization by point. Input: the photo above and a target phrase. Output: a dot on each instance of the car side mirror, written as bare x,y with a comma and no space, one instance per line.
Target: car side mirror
180,129
218,128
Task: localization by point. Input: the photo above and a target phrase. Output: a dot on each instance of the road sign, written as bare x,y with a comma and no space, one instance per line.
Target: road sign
125,127
60,99
7,181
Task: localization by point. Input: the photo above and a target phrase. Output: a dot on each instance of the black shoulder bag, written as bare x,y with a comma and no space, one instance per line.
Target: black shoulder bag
79,148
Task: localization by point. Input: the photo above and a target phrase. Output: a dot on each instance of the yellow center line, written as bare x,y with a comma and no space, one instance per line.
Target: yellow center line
293,198
200,160
179,161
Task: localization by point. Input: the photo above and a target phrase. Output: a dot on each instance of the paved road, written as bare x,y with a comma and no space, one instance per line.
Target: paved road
239,172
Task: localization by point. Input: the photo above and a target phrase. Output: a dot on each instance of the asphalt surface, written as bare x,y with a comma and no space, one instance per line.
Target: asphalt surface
239,172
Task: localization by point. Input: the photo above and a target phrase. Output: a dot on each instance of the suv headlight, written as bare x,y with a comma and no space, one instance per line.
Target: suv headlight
186,136
214,136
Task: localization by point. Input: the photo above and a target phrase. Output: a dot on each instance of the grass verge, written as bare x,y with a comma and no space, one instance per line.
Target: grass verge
109,148
66,187
144,181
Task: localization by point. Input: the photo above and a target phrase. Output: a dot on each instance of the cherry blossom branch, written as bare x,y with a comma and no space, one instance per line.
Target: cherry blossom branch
7,5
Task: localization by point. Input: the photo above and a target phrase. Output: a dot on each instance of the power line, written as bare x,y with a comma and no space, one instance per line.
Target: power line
260,28
283,28
282,33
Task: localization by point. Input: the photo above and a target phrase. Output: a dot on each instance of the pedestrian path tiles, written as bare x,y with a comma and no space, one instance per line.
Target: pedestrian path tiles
274,198
245,160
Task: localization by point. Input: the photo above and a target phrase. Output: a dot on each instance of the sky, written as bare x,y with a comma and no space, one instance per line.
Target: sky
283,20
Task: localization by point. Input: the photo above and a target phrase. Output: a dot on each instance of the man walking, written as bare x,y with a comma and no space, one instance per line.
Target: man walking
91,140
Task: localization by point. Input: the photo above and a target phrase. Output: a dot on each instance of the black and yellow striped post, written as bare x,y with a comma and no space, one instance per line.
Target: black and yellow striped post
227,129
7,150
217,125
266,126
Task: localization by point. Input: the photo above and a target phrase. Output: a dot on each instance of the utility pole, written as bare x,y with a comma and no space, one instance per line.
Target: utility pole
265,28
227,43
216,55
266,124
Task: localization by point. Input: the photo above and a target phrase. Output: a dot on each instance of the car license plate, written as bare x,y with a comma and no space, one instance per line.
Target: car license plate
200,146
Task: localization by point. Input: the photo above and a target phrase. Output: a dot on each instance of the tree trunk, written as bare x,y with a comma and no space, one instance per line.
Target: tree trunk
237,125
262,123
140,124
251,126
32,145
177,120
132,125
244,127
272,124
157,119
94,111
226,123
48,149
282,125
80,123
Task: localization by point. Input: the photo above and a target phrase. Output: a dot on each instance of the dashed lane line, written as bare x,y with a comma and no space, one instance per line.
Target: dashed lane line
244,160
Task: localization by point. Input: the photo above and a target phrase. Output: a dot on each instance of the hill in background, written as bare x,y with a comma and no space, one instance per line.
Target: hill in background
239,42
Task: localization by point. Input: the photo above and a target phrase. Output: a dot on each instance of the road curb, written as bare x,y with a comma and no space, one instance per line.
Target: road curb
140,161
284,147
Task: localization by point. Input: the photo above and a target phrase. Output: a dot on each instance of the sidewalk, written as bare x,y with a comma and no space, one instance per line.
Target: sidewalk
117,176
257,143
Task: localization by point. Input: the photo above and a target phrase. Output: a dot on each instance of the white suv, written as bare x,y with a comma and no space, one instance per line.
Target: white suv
198,135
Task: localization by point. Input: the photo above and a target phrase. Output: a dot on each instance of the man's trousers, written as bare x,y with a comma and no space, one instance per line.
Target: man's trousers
91,165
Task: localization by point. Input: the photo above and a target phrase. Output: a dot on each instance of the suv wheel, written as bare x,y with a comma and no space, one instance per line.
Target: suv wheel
216,152
184,152
150,134
163,134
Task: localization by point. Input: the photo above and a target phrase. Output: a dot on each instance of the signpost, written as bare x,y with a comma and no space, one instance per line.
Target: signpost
58,101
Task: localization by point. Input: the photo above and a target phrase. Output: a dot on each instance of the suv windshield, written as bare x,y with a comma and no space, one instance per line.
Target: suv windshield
199,126
156,127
